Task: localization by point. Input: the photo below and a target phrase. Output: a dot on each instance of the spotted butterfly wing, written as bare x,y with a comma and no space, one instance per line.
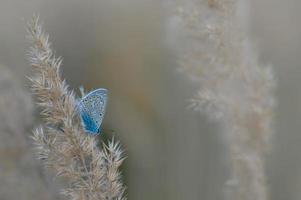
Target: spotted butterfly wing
91,110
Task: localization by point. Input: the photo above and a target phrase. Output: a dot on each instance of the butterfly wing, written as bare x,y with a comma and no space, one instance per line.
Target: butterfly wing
92,108
88,123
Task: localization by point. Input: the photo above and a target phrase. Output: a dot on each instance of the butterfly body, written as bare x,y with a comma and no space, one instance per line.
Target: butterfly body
91,109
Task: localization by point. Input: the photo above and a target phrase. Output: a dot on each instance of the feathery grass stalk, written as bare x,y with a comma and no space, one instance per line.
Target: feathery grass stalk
61,142
235,89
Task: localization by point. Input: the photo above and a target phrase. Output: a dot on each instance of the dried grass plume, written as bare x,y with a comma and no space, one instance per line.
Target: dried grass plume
92,170
235,89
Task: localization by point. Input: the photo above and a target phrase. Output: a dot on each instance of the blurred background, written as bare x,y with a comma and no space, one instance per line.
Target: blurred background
173,152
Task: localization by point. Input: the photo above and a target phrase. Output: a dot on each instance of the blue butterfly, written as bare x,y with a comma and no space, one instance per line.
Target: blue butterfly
91,109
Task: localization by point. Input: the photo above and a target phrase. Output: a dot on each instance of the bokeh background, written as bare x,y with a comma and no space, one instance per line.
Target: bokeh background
125,46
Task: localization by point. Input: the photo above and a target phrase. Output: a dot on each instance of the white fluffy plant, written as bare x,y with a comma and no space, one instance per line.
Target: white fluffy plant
92,170
235,89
